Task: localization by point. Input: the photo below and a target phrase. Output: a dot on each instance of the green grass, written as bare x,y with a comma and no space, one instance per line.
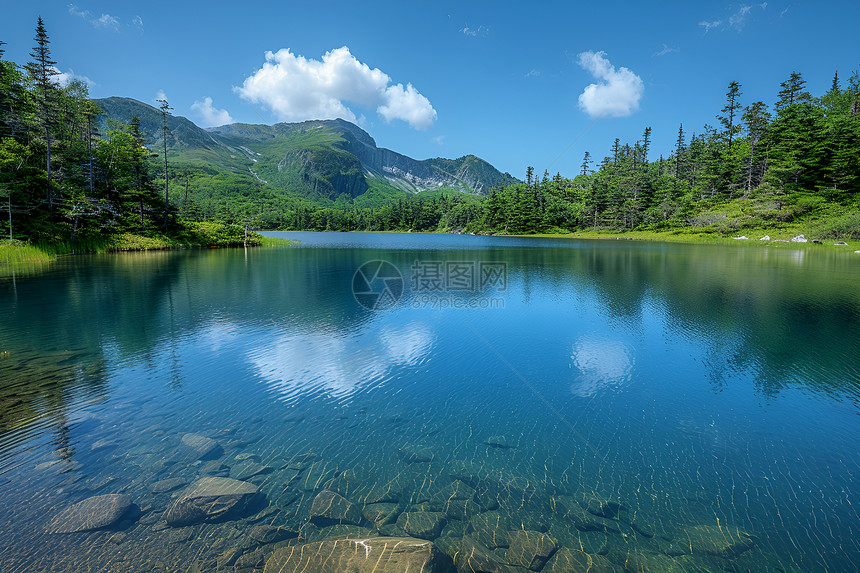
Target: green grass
17,258
14,252
702,238
276,242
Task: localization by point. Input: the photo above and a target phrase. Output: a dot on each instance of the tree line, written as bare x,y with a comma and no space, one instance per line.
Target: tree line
774,164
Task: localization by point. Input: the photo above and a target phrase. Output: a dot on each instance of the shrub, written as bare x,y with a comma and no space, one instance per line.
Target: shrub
845,226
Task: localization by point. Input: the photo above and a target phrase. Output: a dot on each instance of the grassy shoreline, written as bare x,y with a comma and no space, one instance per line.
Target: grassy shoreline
17,257
779,238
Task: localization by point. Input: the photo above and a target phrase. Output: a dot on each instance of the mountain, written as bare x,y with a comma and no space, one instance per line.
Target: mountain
320,160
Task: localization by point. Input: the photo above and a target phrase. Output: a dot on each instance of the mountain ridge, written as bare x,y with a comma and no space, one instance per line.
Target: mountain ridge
317,159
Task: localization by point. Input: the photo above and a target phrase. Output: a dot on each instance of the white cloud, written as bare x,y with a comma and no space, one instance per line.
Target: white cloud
210,115
736,20
103,21
666,50
106,21
708,25
63,78
161,95
138,21
75,11
296,88
532,73
409,105
439,139
474,32
617,94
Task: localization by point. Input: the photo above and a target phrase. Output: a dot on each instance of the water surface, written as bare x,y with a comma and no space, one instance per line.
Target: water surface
703,388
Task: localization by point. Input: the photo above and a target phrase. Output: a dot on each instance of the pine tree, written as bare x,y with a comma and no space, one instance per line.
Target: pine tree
42,71
730,110
834,87
792,91
679,152
165,111
756,117
646,145
586,163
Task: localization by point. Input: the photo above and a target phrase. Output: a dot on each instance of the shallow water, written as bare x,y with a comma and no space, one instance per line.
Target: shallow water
696,386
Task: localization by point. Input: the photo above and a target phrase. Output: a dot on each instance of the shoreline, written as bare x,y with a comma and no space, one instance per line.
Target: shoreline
646,236
20,258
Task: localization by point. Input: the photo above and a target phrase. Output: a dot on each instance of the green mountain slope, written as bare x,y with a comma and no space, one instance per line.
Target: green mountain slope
324,161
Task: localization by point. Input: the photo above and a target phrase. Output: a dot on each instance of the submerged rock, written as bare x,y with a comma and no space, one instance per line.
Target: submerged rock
529,549
726,542
422,524
599,506
247,469
270,533
210,498
490,529
317,474
330,508
381,513
574,512
377,555
416,454
456,500
92,513
167,485
568,560
310,533
646,562
199,447
472,557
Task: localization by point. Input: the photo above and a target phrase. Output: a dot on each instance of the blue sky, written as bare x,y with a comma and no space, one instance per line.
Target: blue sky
506,81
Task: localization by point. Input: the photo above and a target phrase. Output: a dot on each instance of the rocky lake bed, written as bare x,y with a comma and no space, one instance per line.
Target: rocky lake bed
211,501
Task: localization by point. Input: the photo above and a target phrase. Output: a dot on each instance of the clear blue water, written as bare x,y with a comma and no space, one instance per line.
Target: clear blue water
695,385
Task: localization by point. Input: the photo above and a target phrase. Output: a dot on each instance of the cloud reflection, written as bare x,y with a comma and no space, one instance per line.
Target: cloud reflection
602,365
339,364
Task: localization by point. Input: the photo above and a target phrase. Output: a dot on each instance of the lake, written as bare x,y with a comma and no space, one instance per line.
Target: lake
521,402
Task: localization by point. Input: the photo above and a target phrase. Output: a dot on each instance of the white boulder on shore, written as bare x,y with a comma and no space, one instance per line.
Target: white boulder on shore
765,238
